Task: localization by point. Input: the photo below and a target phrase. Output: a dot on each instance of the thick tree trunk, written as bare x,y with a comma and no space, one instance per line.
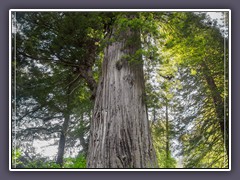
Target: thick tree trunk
120,135
219,105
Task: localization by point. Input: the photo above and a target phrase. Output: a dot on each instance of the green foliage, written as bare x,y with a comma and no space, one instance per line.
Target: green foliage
165,159
16,154
19,160
189,42
49,85
78,162
38,164
198,129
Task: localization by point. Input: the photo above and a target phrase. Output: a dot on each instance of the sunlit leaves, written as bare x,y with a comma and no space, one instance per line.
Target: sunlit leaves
193,72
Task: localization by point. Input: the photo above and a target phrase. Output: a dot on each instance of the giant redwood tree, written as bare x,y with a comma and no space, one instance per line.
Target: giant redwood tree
120,135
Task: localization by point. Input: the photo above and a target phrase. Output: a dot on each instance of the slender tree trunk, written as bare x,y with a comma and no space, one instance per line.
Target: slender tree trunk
120,135
62,141
219,105
167,138
83,144
83,141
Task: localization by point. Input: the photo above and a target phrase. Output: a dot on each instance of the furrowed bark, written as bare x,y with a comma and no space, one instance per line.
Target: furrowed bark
120,135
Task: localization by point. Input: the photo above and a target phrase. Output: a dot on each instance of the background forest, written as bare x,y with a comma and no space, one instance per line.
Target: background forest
57,64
